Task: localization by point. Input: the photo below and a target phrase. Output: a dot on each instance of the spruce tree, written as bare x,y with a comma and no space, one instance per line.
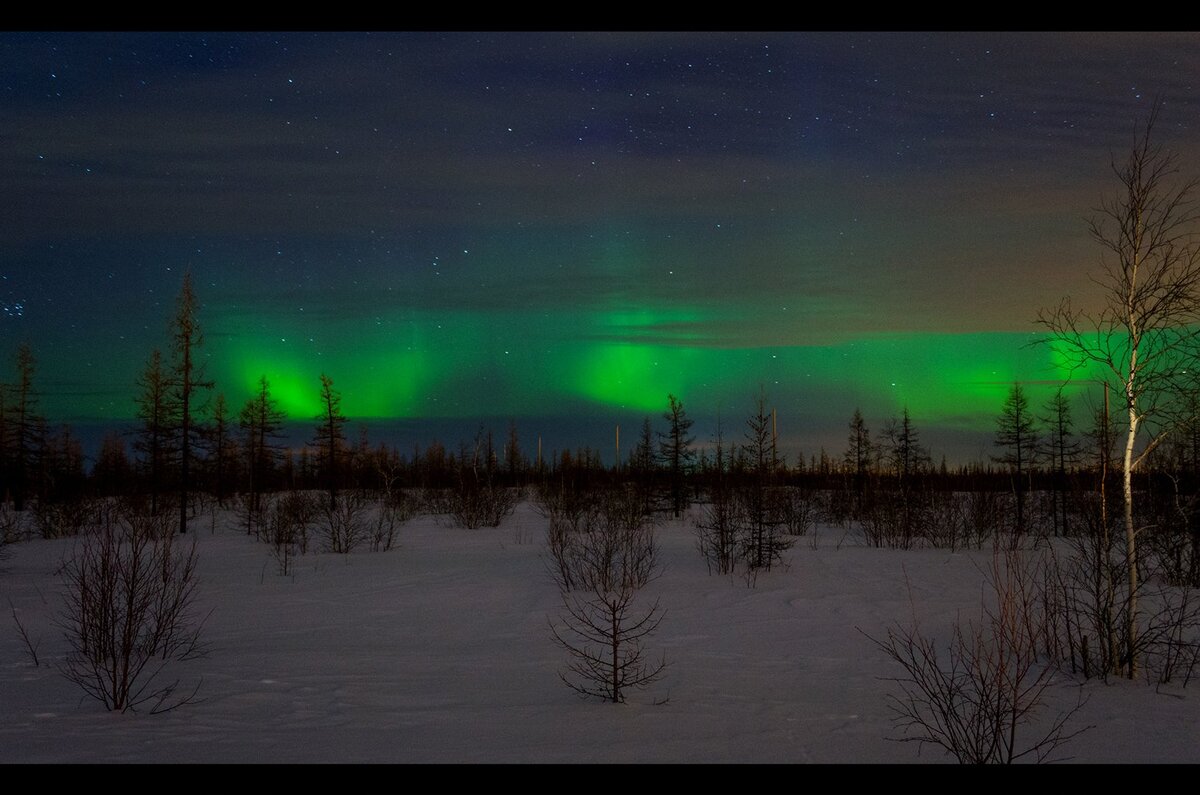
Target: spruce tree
331,439
676,450
260,421
1015,432
154,438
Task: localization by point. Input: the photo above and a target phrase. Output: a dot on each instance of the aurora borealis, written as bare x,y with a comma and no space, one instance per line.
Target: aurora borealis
570,225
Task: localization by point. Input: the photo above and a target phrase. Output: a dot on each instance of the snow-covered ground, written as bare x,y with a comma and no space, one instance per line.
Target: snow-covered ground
440,651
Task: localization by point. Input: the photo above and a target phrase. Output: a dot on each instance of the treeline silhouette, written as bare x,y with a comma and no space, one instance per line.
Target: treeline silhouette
1044,479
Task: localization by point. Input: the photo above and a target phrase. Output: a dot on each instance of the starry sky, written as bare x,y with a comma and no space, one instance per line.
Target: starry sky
565,227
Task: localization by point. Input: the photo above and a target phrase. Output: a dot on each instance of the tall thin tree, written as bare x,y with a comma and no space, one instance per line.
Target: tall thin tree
676,450
1062,448
26,425
154,410
1016,434
642,467
905,452
331,439
5,443
220,453
186,379
1146,335
260,421
857,458
764,544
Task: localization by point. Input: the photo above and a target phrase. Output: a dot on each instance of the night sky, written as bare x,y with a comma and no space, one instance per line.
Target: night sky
556,227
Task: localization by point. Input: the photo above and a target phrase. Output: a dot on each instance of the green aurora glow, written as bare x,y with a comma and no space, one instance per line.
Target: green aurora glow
477,226
481,365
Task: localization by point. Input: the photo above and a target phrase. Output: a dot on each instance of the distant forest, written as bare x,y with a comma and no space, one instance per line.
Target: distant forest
190,445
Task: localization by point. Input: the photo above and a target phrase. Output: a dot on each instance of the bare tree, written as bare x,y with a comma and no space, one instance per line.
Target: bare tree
676,450
111,472
186,379
331,439
260,421
643,466
601,566
24,428
719,526
5,442
1146,334
221,452
603,633
858,455
1063,451
904,450
155,410
763,540
1015,433
514,459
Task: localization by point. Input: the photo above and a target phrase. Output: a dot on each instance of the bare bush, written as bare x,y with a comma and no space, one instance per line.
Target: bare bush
891,520
960,520
299,510
979,699
64,518
1084,608
200,503
286,525
837,506
1172,537
939,519
609,545
751,525
1171,636
344,524
797,510
128,613
944,521
561,545
252,512
618,550
473,506
282,535
568,504
436,502
984,513
1086,620
397,507
12,527
719,530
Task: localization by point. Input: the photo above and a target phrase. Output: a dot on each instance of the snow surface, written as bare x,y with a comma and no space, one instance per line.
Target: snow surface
439,651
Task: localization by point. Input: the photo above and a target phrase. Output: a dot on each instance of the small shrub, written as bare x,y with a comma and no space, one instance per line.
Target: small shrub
64,518
128,612
397,508
344,524
977,700
474,506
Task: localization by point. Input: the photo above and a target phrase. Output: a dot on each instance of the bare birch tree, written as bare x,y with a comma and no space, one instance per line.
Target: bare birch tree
1144,337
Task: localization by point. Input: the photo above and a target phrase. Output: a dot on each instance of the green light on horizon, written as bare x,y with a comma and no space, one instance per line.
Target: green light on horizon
471,363
635,376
